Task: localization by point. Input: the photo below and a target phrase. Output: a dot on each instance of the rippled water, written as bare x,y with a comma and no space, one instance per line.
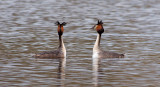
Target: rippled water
131,27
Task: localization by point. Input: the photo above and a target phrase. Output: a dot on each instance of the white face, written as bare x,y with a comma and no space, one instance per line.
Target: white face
95,27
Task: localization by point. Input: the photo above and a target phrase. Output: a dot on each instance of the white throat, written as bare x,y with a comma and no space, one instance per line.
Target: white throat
96,48
62,46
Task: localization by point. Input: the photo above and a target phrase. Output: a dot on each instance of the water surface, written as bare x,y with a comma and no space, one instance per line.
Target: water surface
131,27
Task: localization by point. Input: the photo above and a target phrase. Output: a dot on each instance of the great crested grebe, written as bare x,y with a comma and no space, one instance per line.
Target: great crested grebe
97,51
61,51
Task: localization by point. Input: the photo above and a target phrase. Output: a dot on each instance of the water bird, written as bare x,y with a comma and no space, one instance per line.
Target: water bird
97,51
61,51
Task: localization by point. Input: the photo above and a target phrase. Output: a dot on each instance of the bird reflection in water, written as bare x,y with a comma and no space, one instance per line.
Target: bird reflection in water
95,67
61,71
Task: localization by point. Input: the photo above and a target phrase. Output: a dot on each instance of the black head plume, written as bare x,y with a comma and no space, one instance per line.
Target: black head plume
100,22
58,23
64,23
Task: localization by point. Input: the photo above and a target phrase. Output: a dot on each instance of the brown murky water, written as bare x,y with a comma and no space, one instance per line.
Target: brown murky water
131,27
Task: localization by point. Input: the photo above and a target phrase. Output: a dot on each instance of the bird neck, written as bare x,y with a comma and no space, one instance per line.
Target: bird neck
97,43
61,44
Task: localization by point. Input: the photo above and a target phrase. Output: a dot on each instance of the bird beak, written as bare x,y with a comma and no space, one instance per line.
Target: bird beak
93,27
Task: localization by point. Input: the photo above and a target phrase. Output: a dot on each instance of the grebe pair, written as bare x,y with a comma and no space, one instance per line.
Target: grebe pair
97,51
